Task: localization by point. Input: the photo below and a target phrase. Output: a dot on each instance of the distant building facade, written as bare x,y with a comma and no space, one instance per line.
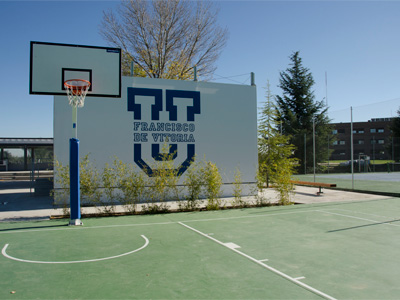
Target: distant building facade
372,138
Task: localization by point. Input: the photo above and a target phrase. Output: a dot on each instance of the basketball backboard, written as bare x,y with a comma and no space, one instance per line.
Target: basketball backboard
52,64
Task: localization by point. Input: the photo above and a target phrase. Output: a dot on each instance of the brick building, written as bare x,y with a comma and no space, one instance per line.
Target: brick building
372,138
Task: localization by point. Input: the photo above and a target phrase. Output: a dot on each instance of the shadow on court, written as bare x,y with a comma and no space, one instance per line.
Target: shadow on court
33,227
366,225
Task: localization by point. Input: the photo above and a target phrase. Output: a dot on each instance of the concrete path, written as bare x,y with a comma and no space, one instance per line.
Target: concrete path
18,203
308,195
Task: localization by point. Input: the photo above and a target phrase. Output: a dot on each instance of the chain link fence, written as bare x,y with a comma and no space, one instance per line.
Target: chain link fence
360,153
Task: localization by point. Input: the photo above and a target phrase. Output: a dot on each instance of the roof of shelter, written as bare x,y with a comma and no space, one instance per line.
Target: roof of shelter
21,142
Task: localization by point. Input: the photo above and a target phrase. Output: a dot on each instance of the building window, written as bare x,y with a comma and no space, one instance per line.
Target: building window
342,142
335,142
381,142
358,130
372,130
334,131
361,142
373,141
342,153
381,130
341,130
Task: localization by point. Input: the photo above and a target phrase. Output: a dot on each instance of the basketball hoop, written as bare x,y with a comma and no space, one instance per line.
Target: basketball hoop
76,91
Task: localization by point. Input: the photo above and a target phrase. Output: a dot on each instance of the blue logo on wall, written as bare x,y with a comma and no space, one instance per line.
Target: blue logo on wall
177,131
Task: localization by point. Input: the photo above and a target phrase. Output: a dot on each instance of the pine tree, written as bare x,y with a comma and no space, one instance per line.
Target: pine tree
276,164
297,108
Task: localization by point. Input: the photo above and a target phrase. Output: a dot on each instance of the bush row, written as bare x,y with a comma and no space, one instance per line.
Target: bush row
124,184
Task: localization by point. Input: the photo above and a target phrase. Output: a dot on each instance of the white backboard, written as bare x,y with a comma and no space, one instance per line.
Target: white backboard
52,64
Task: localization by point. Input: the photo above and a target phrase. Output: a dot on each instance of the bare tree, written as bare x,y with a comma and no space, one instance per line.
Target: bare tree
166,38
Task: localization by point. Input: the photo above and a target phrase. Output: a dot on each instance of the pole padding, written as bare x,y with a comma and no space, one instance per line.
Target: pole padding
75,201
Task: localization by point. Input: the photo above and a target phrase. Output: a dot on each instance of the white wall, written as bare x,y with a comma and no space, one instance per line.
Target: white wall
225,129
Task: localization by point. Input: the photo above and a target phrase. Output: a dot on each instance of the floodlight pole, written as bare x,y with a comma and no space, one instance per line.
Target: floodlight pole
195,73
313,128
305,153
351,147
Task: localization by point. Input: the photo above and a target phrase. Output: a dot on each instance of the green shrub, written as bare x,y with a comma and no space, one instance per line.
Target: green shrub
237,189
124,183
90,182
163,182
212,185
131,185
61,179
282,182
194,182
110,183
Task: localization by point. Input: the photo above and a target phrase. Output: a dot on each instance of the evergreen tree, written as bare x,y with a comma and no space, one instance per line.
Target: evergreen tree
297,108
276,164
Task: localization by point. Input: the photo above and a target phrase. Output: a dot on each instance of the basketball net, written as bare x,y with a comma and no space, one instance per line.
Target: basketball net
76,91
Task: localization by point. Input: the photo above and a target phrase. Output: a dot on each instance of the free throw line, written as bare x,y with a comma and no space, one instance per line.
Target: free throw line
74,261
299,283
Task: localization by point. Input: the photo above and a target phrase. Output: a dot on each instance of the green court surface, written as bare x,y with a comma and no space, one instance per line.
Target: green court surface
373,182
332,251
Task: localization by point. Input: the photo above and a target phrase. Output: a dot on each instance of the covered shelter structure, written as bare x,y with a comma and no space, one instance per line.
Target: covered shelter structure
26,154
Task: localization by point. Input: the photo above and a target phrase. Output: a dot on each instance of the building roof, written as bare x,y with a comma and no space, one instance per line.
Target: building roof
375,120
20,142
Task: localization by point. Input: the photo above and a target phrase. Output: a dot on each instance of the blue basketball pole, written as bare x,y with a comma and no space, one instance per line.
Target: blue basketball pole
76,92
75,201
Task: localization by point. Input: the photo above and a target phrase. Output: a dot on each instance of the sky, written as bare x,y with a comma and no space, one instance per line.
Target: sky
351,48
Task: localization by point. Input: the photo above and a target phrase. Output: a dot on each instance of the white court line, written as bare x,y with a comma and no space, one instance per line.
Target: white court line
299,283
151,224
249,217
361,213
83,228
358,218
74,261
232,246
